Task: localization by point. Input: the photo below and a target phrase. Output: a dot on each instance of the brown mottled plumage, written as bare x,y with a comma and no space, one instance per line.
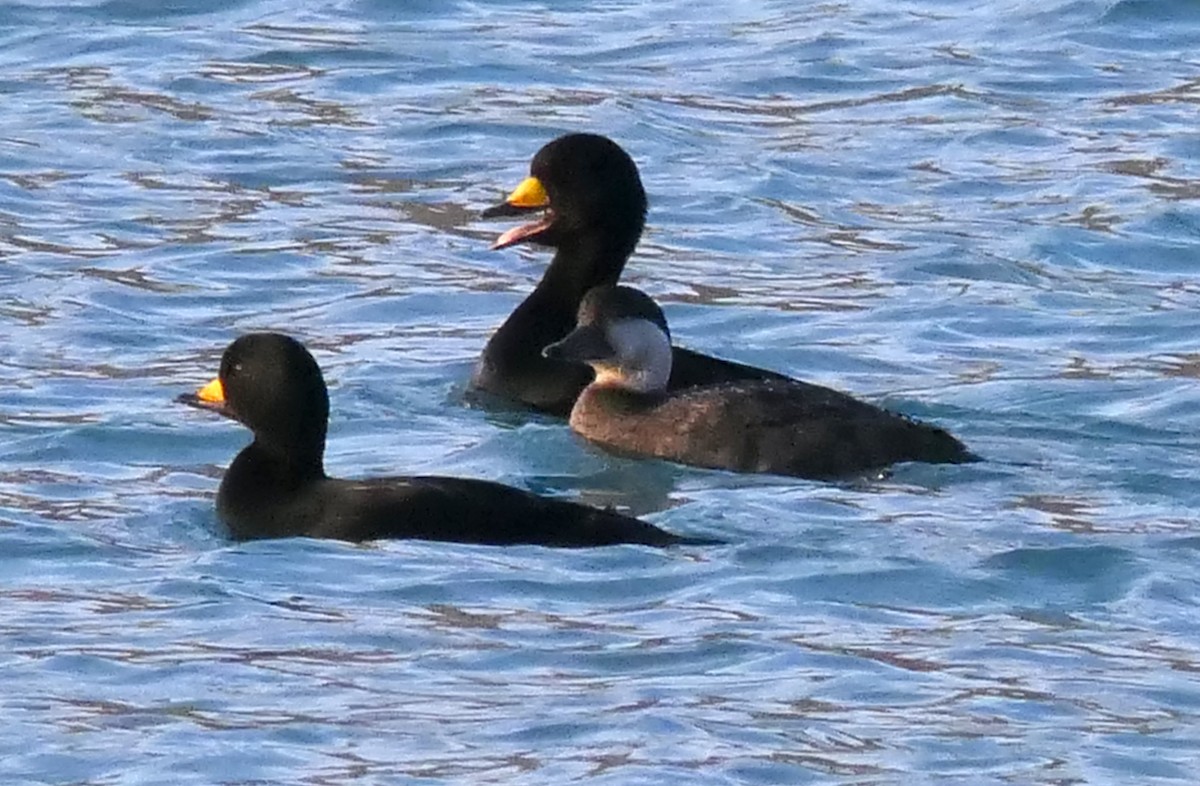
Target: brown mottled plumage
788,428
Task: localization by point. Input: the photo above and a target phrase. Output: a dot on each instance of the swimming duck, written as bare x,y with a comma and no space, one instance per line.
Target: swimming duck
786,428
277,486
593,211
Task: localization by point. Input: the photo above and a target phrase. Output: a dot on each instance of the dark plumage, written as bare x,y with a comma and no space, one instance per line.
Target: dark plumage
277,486
595,208
788,428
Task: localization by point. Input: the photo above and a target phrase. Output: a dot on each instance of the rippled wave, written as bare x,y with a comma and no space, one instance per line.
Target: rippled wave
980,216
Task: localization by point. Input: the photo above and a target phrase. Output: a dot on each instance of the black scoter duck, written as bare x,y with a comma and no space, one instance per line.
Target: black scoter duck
786,428
594,208
277,486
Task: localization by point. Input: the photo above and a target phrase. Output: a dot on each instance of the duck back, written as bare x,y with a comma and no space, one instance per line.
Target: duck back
788,428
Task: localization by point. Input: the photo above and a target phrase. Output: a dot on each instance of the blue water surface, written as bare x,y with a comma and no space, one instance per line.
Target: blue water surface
981,214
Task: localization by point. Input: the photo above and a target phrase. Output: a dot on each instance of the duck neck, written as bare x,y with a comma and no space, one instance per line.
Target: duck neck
282,466
578,266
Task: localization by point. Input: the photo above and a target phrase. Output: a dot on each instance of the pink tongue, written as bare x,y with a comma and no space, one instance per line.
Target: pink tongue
517,234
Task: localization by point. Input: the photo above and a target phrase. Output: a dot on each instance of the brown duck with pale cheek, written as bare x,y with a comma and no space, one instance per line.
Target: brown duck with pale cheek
277,486
592,210
785,428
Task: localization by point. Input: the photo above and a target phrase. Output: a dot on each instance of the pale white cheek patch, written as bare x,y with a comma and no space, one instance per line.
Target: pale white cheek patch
609,376
643,357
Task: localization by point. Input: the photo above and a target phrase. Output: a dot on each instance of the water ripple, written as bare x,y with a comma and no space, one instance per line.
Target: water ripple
979,216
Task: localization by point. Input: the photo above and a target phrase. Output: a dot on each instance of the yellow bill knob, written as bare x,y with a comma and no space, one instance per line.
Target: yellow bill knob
530,193
213,392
